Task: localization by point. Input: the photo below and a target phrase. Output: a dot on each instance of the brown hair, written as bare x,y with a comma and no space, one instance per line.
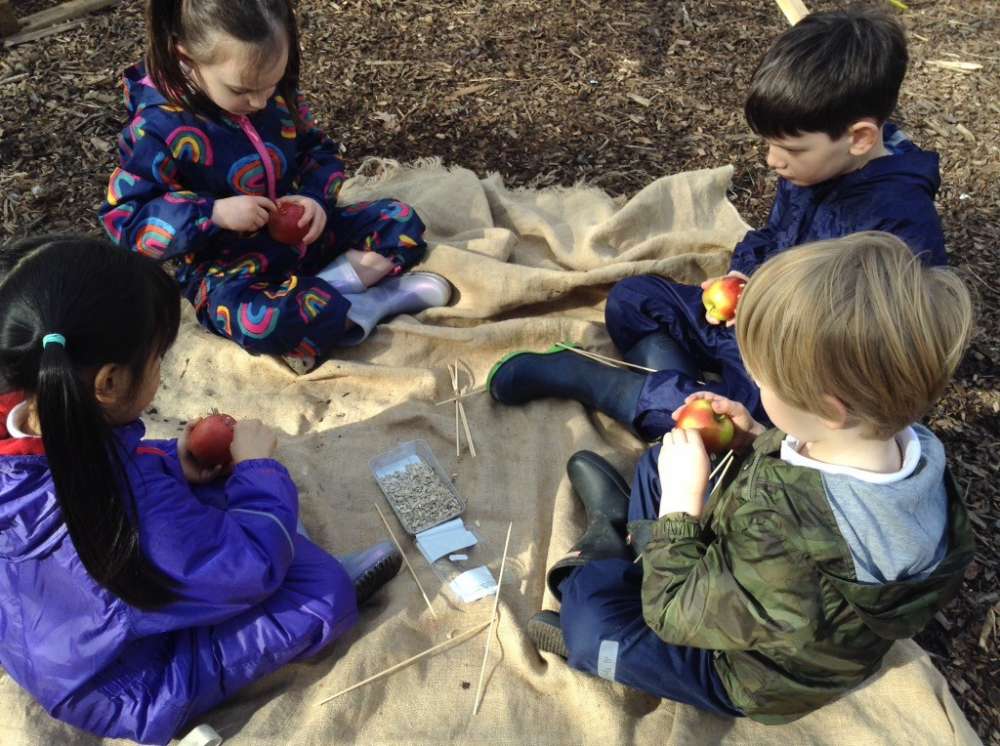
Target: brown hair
858,318
196,24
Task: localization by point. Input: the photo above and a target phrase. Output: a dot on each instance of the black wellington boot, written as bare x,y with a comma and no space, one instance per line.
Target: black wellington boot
520,377
659,351
604,495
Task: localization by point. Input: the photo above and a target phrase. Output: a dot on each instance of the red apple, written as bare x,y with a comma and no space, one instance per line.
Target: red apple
210,439
716,429
283,225
720,298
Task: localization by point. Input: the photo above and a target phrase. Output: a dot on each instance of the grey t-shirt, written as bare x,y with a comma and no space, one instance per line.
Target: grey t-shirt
895,524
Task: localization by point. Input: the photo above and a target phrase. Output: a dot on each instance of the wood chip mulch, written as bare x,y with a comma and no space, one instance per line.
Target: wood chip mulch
548,93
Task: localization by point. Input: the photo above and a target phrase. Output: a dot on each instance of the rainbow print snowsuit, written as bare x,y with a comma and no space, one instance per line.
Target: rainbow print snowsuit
174,164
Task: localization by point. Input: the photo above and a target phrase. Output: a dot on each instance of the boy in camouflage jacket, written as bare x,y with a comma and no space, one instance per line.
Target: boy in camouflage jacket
826,539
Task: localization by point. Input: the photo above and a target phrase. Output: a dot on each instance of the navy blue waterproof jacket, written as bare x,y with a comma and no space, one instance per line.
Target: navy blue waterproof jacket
894,194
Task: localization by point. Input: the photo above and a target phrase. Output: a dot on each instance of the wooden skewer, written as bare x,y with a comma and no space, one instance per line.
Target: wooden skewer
724,460
405,560
447,643
458,403
604,358
470,392
465,420
728,461
611,360
722,476
493,619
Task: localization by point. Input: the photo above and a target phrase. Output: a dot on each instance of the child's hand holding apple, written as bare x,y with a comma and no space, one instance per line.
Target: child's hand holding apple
711,416
683,466
297,220
721,296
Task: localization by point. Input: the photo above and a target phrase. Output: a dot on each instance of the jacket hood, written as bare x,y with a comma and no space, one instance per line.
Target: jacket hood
908,164
898,610
30,518
139,90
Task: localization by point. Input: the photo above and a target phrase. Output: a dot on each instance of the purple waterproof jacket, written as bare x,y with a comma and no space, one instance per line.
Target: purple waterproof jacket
252,593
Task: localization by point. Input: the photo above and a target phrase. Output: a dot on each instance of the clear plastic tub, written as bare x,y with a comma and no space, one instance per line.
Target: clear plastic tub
416,487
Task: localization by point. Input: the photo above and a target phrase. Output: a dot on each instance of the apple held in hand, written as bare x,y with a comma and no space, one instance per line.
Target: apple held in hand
283,225
716,429
720,298
210,439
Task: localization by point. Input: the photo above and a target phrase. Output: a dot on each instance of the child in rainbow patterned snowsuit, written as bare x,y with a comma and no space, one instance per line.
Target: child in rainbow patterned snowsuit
262,294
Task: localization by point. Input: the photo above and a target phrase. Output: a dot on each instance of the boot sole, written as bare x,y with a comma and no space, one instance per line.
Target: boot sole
547,635
517,353
377,576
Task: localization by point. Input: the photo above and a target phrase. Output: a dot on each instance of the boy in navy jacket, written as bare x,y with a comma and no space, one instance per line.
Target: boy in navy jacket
820,98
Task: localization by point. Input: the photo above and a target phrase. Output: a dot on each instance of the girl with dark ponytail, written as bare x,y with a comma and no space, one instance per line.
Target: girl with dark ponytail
137,589
219,142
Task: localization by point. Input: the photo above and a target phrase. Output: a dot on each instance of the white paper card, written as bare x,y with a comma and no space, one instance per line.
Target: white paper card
473,584
434,544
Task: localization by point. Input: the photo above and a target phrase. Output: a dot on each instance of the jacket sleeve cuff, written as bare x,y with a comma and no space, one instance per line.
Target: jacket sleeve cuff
738,264
255,464
674,526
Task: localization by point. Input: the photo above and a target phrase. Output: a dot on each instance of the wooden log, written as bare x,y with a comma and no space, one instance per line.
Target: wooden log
63,12
794,10
41,33
8,19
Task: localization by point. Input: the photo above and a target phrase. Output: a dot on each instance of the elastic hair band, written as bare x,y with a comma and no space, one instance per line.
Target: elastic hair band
53,339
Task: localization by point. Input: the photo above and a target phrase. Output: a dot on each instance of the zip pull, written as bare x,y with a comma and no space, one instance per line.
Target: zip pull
265,157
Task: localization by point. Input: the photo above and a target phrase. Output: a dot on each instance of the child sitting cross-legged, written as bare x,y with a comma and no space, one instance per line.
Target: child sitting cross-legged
821,99
139,588
827,539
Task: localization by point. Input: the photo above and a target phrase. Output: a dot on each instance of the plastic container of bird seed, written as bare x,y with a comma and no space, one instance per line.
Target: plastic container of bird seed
416,487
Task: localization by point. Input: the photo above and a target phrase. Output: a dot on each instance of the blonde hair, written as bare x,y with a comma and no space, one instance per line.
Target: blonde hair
858,318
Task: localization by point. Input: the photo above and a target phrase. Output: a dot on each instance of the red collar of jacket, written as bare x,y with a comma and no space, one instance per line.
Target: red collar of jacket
16,446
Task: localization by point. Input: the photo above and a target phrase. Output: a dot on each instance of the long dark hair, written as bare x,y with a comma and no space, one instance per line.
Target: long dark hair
196,23
112,306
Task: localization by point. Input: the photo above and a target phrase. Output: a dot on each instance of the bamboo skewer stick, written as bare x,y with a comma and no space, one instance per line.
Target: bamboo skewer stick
726,460
470,392
465,420
458,402
603,358
493,619
453,641
405,559
722,476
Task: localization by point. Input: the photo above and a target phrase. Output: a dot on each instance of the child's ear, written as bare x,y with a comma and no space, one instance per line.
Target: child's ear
840,417
865,134
183,58
111,385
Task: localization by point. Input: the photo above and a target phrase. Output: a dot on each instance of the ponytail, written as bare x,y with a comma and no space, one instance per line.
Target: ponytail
163,62
110,306
83,453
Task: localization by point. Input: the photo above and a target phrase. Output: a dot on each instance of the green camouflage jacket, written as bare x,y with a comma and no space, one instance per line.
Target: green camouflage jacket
767,581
